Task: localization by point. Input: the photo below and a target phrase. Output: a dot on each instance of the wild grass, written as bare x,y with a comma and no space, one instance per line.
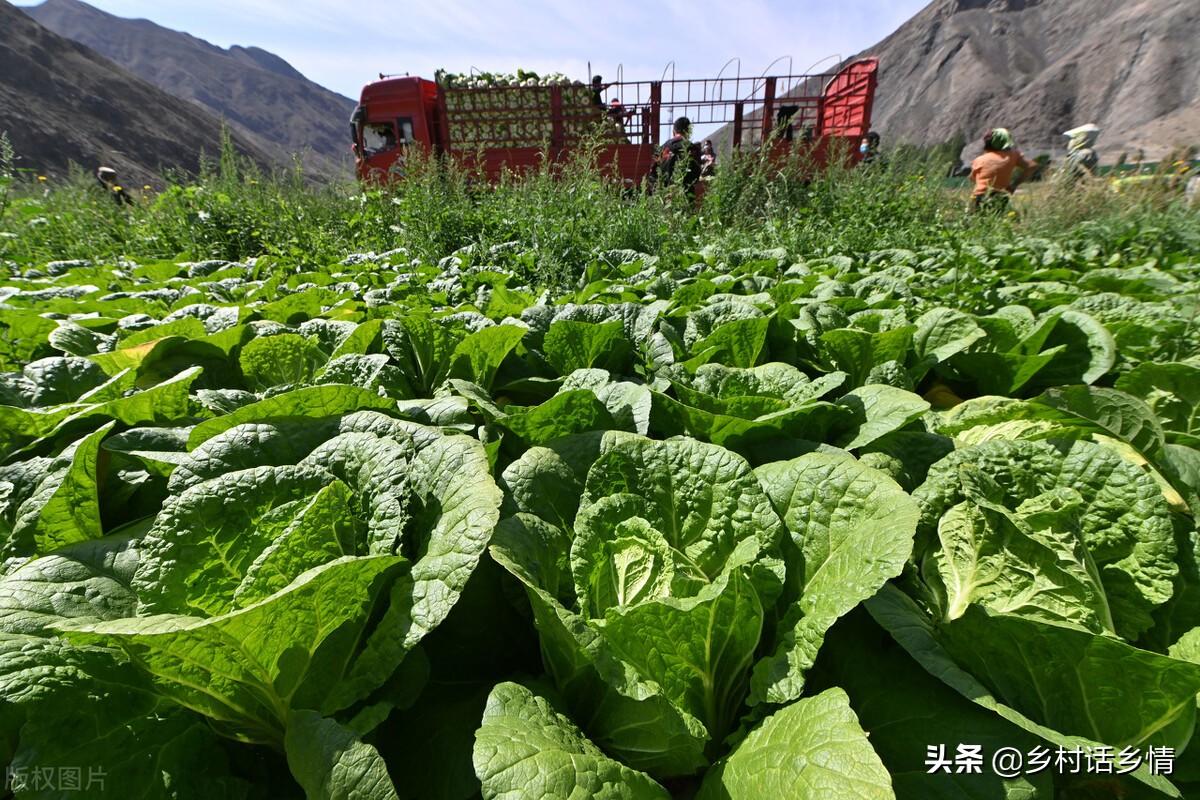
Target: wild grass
552,221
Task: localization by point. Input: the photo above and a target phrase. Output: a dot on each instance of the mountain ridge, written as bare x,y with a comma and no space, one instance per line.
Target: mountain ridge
1040,67
63,103
259,93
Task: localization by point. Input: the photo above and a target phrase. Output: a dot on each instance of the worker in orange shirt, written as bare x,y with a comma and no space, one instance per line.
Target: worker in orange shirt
992,172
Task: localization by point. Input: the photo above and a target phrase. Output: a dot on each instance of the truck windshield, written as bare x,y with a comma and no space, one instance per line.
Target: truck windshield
378,137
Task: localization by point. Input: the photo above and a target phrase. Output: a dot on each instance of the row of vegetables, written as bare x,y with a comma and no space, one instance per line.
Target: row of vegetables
726,525
516,113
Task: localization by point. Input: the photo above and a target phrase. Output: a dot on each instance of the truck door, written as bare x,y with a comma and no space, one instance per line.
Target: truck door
384,145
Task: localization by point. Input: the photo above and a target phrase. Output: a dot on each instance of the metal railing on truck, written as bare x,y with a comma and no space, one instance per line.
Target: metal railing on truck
750,110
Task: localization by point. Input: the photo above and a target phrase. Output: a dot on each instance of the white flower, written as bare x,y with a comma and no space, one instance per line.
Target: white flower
204,216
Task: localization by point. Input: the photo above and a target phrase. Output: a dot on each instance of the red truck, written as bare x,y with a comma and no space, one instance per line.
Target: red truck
494,129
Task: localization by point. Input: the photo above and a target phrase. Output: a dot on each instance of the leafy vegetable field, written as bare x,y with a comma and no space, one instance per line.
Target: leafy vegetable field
727,525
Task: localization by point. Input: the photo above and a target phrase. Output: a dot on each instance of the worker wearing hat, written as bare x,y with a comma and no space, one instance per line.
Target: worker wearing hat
1081,156
108,179
992,172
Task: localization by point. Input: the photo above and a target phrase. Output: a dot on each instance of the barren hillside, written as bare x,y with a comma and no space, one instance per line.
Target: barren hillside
61,102
259,93
1042,66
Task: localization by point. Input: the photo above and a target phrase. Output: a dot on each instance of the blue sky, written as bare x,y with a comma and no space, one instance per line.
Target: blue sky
342,45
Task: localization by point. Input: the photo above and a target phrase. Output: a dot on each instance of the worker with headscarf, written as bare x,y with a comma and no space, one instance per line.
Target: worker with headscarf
1081,154
107,176
992,172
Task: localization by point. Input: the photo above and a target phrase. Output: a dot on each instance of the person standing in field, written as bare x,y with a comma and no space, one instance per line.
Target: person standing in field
618,116
598,88
708,160
1081,154
992,172
868,148
678,154
107,176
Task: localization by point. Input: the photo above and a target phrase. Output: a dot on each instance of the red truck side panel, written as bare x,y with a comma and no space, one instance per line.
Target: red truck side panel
846,102
519,128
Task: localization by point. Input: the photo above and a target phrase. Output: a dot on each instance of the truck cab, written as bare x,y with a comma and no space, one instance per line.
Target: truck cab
392,115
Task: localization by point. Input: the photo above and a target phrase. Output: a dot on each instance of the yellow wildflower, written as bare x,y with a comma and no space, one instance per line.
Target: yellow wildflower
41,178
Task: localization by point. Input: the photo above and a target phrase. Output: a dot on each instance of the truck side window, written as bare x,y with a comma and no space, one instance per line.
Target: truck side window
378,137
405,126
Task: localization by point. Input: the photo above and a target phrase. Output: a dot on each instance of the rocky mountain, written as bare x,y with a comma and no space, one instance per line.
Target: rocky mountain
258,93
61,102
1040,67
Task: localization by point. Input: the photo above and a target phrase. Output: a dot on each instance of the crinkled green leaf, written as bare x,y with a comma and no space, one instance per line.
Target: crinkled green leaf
564,414
628,403
205,539
90,579
1124,518
527,749
773,379
625,715
916,633
879,410
52,381
423,349
64,508
247,669
1030,562
570,345
284,360
377,469
697,649
813,748
77,340
313,403
943,332
701,498
547,480
373,372
1172,390
851,530
454,508
741,423
323,530
738,343
1108,411
479,355
855,351
331,763
186,327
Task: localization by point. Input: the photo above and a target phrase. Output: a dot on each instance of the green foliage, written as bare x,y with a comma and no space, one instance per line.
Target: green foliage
549,223
554,492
